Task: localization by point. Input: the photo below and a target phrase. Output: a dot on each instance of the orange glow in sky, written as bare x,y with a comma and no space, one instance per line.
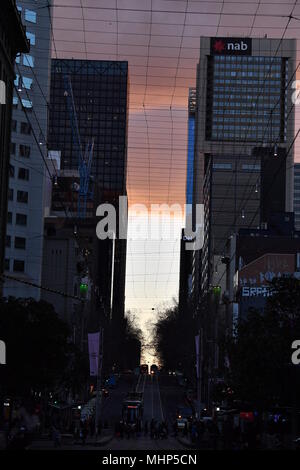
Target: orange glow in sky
160,39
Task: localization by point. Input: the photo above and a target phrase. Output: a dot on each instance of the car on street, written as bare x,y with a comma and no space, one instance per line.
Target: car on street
183,416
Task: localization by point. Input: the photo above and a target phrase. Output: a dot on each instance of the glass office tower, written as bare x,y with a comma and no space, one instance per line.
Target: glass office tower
100,94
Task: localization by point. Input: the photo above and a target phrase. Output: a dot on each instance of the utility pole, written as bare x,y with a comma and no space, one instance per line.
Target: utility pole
99,380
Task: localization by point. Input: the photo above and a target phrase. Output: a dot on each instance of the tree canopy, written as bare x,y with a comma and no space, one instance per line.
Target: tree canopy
39,352
260,356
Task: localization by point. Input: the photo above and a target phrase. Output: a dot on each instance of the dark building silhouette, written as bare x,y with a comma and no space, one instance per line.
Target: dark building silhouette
100,90
13,41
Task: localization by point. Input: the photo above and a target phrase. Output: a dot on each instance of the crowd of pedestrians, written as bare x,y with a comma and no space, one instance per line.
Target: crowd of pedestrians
211,434
154,429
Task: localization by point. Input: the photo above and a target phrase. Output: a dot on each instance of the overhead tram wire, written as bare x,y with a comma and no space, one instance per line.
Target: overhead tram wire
40,286
145,10
172,127
245,142
244,200
84,35
270,187
278,101
147,137
76,237
217,2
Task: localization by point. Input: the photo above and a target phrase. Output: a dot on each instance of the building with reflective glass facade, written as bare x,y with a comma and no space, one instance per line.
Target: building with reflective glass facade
24,241
244,116
244,95
191,145
100,94
100,91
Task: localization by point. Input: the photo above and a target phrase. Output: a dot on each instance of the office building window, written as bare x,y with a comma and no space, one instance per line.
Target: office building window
23,174
11,171
9,217
251,167
21,219
26,82
20,243
25,128
30,16
6,264
31,38
8,241
24,151
222,166
27,104
10,194
28,60
13,148
19,265
22,196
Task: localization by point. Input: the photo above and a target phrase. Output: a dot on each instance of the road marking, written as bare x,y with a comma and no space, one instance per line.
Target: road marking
152,396
138,383
160,402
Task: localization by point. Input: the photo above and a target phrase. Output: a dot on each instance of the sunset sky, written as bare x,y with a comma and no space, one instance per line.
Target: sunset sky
160,39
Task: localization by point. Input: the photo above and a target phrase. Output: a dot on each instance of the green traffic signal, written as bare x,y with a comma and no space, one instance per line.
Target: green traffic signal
216,290
83,288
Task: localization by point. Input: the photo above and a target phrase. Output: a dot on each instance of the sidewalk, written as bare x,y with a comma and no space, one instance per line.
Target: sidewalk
186,442
67,441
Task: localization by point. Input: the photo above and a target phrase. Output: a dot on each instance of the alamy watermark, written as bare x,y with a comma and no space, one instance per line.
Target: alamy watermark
158,223
296,354
296,93
2,92
2,353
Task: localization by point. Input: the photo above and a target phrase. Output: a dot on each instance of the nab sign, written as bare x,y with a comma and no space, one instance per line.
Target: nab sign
230,46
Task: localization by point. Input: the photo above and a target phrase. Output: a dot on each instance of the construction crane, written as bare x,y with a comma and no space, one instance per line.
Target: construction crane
85,191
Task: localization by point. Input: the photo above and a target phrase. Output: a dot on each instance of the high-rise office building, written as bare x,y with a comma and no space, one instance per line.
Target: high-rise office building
244,119
244,89
185,286
297,195
100,91
13,42
24,241
190,149
244,96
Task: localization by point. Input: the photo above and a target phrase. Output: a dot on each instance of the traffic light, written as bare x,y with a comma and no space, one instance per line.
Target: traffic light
216,290
83,288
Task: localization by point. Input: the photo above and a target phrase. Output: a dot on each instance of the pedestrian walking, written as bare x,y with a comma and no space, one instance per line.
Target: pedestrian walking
152,428
146,429
56,437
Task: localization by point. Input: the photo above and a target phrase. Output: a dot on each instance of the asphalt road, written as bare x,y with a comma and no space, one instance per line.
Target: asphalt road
162,396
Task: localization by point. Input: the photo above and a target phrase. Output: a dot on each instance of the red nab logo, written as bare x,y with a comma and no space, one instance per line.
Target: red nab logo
219,46
230,46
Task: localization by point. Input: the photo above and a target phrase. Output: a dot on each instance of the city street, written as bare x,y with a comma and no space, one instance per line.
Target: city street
162,396
149,225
